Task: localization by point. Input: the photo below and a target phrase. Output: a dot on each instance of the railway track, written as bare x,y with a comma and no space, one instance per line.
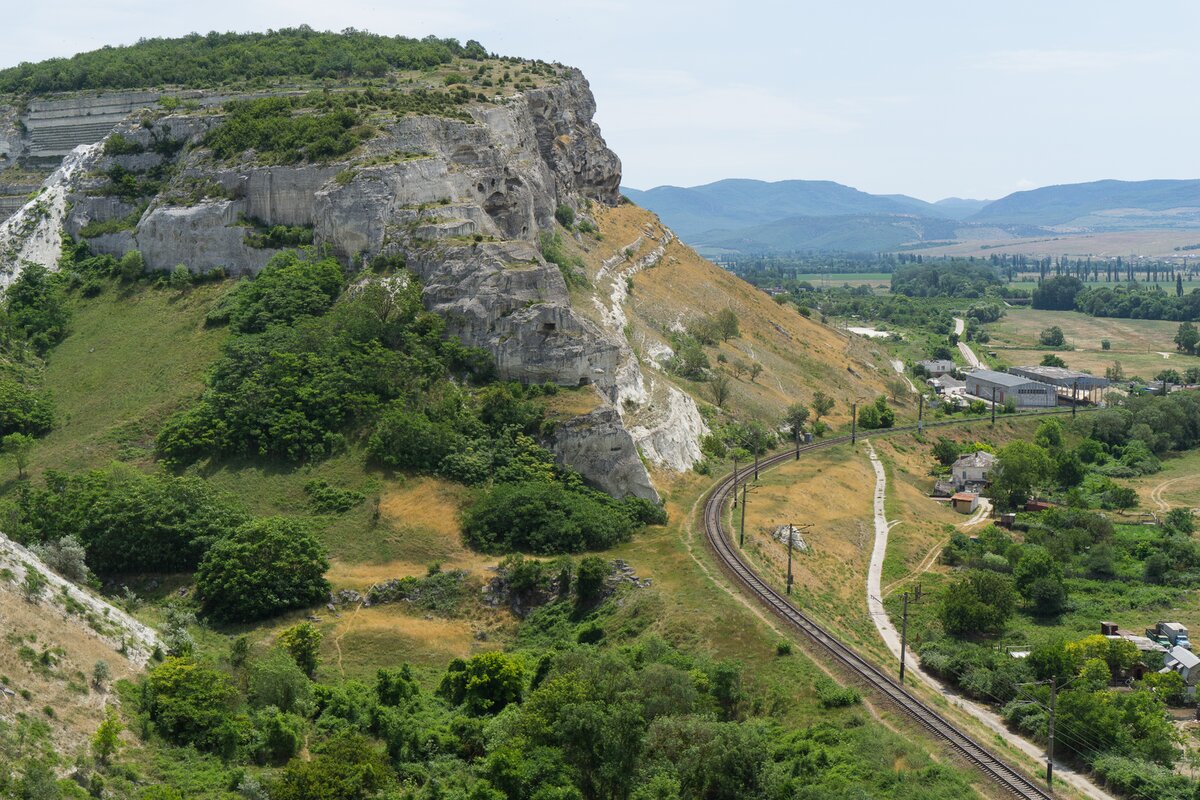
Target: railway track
998,771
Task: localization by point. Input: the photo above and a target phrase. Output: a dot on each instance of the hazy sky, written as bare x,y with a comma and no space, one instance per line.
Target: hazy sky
926,98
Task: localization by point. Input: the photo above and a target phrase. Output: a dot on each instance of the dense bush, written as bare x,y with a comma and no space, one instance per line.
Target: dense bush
127,520
211,59
23,407
979,603
544,518
35,307
191,703
273,128
292,285
876,415
483,684
1057,293
1135,301
292,390
262,568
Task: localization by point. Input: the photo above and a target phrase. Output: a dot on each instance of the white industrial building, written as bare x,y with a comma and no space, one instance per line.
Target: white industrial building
990,385
937,367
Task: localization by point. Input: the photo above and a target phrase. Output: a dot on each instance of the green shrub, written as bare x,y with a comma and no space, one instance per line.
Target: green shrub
118,145
327,499
36,306
565,215
483,684
276,680
292,285
23,408
264,567
830,695
407,439
116,225
545,518
192,704
206,61
128,521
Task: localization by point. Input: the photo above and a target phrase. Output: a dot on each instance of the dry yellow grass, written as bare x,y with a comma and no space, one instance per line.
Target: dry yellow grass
66,686
419,518
361,640
831,491
799,356
425,503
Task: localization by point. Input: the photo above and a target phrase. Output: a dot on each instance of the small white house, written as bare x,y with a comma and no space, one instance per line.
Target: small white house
1185,662
973,468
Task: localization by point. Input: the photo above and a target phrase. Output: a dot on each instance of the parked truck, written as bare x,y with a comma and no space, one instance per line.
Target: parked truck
1169,634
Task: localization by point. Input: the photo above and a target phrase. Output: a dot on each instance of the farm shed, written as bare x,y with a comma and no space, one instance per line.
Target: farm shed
987,384
965,502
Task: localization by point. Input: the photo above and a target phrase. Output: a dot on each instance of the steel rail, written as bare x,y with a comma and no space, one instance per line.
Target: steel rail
987,762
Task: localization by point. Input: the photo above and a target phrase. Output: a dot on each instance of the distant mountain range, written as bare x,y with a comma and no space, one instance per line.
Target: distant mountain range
749,216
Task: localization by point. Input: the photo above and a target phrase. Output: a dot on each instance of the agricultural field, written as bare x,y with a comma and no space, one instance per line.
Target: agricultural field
1143,347
880,282
1110,244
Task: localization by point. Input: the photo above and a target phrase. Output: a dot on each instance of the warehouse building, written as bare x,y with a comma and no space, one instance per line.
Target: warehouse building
1060,377
988,384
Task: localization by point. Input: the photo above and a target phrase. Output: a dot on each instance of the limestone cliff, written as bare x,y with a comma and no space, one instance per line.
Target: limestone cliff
461,201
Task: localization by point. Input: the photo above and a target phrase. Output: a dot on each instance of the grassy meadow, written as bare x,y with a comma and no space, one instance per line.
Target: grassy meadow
1138,345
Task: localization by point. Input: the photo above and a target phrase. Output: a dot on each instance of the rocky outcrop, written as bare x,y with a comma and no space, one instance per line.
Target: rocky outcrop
602,450
202,237
461,202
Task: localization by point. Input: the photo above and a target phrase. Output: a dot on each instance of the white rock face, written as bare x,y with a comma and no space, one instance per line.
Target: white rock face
118,627
663,420
462,203
34,233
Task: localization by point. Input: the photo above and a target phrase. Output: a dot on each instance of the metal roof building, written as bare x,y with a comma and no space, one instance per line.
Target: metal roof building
1058,376
988,384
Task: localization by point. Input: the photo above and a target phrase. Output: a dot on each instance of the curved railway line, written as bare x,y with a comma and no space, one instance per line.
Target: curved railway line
993,767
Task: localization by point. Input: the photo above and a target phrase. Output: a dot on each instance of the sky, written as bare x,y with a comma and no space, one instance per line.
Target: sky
930,99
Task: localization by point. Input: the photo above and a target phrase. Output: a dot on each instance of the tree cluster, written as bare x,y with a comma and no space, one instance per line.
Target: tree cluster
209,60
944,279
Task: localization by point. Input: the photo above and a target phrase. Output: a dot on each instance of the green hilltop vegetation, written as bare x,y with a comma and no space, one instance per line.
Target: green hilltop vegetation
214,59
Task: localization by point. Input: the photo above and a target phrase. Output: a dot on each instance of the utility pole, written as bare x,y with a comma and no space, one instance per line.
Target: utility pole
1050,737
756,460
993,406
853,423
797,444
735,478
1074,388
920,413
791,536
792,528
903,635
742,526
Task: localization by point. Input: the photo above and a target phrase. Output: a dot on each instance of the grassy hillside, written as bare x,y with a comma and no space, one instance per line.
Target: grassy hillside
134,355
799,355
